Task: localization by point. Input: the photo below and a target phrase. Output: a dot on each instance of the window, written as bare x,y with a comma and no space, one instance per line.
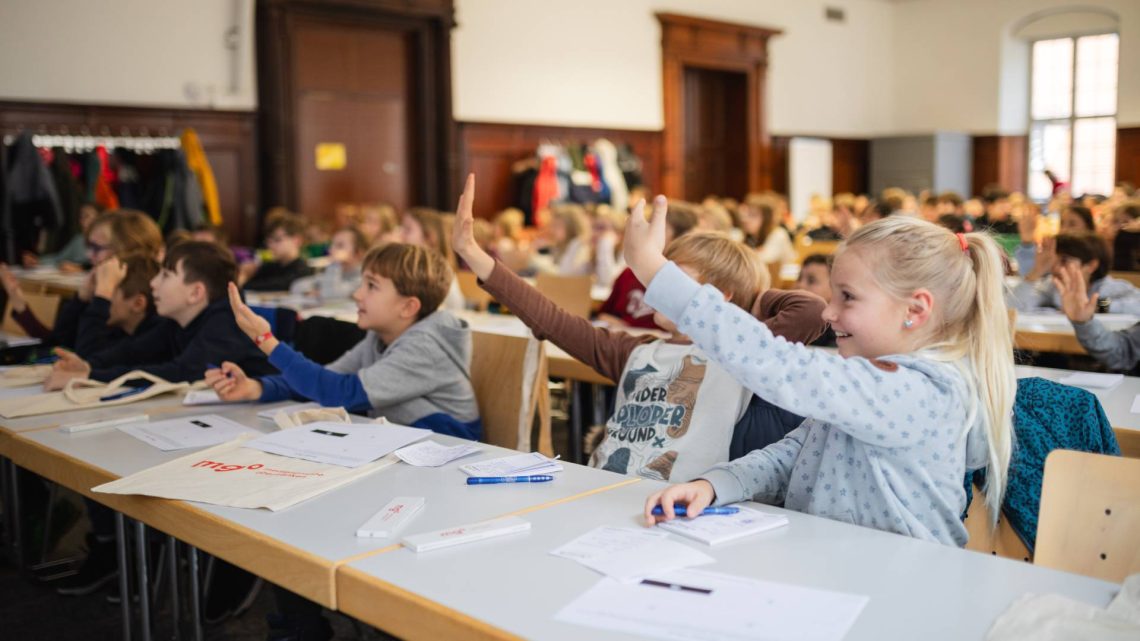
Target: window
1072,111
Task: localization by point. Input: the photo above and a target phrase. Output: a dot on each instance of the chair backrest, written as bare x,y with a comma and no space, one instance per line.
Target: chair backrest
806,246
509,375
1002,541
1128,440
571,293
1131,277
774,281
475,295
44,306
1090,515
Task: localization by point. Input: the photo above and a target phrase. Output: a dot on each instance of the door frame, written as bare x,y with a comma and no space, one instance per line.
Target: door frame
432,139
687,41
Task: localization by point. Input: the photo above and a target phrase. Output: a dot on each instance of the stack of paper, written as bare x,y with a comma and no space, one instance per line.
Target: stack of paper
339,443
717,529
432,454
1091,380
182,433
628,554
514,465
202,397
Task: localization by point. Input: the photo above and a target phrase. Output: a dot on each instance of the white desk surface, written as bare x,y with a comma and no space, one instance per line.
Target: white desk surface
1054,322
1117,401
917,590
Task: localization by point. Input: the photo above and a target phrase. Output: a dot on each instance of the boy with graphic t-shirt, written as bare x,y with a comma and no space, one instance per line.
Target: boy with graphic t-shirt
675,409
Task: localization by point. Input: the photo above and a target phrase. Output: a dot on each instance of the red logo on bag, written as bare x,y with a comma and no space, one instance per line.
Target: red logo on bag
224,467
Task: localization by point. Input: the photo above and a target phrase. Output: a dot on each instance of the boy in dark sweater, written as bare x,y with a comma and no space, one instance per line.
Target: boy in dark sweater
121,305
190,291
284,236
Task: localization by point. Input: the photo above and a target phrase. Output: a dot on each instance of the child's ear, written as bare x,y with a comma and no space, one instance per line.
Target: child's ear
138,303
198,292
411,307
920,307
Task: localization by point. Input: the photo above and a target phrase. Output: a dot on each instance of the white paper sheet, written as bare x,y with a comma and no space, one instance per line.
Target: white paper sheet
432,454
202,397
627,554
288,409
183,433
606,540
1135,409
698,605
721,528
532,463
13,340
339,443
1092,380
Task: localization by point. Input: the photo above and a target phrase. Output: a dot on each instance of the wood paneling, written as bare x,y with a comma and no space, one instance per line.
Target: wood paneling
688,42
228,137
491,149
1128,155
716,155
850,164
1001,160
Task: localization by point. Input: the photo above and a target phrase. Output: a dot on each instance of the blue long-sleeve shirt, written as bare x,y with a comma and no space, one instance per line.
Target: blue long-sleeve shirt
302,377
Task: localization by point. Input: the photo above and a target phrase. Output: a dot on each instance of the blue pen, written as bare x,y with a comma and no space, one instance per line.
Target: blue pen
123,394
491,480
680,510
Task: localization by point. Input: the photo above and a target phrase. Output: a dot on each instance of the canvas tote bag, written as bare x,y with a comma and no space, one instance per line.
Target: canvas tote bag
84,393
24,375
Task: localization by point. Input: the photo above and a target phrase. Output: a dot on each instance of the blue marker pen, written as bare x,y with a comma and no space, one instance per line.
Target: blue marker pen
680,510
123,394
210,366
492,480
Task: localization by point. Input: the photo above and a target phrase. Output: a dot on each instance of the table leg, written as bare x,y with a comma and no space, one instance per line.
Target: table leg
143,588
195,606
172,570
124,588
575,421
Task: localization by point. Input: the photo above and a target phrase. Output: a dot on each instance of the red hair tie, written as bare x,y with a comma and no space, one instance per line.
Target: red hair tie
962,242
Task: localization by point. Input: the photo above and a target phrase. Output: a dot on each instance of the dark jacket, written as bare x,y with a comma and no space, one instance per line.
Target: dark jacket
95,335
179,354
30,202
274,276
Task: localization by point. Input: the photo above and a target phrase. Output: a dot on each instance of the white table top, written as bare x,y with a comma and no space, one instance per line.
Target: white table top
1117,401
917,590
1054,322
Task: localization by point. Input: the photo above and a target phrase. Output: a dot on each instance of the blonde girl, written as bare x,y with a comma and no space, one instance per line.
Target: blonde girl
920,393
568,236
759,220
429,228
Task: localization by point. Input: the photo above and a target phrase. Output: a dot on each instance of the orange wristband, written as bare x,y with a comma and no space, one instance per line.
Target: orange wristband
264,337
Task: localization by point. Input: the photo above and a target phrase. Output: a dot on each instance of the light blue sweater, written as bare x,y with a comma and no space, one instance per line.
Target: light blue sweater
886,443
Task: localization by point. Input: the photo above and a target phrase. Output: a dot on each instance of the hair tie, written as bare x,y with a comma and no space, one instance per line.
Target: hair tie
962,242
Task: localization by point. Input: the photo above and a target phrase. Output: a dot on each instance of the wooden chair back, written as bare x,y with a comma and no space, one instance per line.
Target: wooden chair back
1128,440
1002,541
475,295
571,293
44,306
805,247
1090,515
509,374
774,276
1132,277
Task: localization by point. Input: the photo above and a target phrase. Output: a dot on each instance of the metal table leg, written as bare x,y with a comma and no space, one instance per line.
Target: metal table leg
172,570
195,606
575,422
143,589
124,588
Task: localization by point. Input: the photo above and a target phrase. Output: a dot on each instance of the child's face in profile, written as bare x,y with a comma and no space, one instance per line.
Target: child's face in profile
99,244
172,294
119,312
411,232
343,248
284,246
815,278
378,303
867,321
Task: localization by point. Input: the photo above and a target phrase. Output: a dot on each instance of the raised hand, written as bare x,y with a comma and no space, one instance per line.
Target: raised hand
1046,258
69,366
1075,301
463,234
231,383
645,240
1027,225
248,321
109,274
694,495
11,285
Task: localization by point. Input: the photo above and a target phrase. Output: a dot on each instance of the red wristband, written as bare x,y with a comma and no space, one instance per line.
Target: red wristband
264,337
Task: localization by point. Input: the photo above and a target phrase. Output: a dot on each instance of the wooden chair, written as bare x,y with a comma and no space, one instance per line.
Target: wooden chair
571,293
1132,277
1090,515
44,306
774,276
1002,541
1129,441
509,374
472,292
805,247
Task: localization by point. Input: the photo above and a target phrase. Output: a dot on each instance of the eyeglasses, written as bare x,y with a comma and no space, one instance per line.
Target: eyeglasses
95,248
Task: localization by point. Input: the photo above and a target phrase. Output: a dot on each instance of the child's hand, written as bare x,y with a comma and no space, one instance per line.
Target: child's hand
68,366
87,289
246,271
1027,226
231,383
463,234
248,321
645,240
1046,258
11,285
694,495
1075,301
109,274
29,259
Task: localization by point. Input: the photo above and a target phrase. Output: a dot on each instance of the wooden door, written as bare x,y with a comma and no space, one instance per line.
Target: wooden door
716,144
352,94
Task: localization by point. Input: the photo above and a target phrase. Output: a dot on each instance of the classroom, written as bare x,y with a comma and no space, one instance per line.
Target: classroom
379,320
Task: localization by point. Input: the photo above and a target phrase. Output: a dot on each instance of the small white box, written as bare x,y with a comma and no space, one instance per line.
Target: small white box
465,534
392,517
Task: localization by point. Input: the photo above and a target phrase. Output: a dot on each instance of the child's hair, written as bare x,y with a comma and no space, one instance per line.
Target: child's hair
1129,209
573,217
132,232
993,193
414,271
1084,213
765,205
950,198
1086,248
359,242
217,231
721,262
435,233
970,319
384,215
955,223
510,222
140,271
817,259
285,220
681,217
203,262
845,200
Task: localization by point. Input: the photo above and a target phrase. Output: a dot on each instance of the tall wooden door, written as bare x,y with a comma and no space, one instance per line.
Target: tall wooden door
353,108
716,143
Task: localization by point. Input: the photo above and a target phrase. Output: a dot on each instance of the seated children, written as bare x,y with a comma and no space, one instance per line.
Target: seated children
73,256
427,228
675,409
122,305
921,391
190,291
815,277
1119,350
1090,253
342,276
413,367
284,236
567,237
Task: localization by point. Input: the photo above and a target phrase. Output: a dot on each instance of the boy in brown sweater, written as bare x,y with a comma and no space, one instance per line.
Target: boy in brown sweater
676,411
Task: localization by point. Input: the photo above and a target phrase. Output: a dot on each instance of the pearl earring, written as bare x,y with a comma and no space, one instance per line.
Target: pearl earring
908,323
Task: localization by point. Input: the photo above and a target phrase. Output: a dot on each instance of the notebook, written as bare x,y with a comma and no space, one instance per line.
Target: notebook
514,465
717,529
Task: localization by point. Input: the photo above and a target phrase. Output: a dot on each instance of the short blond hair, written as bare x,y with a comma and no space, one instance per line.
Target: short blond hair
415,271
721,262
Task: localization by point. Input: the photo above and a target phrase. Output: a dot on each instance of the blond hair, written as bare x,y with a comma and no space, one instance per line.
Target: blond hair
721,262
574,219
970,319
510,223
132,232
415,271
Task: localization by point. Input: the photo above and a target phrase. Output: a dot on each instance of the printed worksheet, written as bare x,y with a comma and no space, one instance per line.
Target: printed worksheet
183,433
628,554
342,444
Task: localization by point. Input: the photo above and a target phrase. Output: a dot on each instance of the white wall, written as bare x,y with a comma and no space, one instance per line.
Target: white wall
168,53
598,62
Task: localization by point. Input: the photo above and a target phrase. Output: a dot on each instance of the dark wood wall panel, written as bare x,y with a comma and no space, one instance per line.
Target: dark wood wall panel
1001,160
850,164
228,137
491,149
1128,155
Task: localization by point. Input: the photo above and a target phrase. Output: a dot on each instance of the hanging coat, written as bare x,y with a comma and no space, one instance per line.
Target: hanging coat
200,165
31,202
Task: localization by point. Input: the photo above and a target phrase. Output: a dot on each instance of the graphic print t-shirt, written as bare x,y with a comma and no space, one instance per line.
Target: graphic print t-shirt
673,417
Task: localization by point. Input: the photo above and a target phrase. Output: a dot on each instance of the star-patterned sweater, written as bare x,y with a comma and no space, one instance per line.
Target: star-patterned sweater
886,443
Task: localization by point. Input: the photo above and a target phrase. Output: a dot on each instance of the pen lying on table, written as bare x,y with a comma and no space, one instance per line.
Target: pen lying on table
491,480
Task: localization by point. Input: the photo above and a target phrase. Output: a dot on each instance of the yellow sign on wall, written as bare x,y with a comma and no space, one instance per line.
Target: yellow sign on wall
331,156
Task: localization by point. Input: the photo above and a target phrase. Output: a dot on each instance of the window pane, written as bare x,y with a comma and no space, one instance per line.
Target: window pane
1048,149
1052,79
1096,75
1094,156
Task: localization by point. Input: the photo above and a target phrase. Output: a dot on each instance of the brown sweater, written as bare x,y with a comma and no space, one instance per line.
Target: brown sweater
795,315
